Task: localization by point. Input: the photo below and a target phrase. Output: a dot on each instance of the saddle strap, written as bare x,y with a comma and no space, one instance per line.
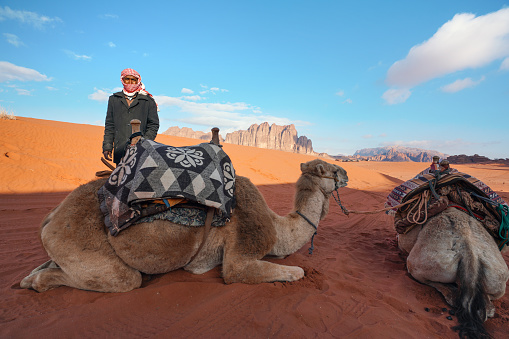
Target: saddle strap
208,225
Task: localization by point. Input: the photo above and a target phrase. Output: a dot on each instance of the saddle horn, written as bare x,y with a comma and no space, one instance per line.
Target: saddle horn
135,126
215,136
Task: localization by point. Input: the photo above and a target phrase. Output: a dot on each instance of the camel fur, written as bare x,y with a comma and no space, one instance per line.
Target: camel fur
85,256
455,254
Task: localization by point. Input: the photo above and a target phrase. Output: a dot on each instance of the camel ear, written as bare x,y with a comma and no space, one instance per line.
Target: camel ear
302,167
320,169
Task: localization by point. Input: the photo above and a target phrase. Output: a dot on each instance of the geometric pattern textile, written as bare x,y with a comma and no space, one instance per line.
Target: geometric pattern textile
149,170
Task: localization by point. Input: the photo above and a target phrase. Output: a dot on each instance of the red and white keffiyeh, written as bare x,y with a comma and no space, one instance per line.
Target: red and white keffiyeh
130,90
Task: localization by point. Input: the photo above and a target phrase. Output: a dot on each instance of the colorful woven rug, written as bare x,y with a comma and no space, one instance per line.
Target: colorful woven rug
203,174
421,182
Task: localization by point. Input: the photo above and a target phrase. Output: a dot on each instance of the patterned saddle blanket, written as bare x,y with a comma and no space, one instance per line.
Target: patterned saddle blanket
150,171
459,190
409,188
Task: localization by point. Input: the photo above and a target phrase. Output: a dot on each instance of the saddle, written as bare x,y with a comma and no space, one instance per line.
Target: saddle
153,178
433,195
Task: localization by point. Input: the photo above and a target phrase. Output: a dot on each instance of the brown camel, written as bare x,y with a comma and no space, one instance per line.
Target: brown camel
455,254
85,256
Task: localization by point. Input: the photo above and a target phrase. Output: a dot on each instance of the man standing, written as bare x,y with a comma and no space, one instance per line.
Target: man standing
133,102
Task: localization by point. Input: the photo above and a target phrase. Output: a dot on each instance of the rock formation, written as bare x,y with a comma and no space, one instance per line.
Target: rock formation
474,159
398,153
284,138
187,132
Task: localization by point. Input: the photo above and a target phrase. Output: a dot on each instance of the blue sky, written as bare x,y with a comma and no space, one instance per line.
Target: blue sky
348,74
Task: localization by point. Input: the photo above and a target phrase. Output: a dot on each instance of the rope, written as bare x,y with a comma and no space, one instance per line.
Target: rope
378,211
316,231
421,205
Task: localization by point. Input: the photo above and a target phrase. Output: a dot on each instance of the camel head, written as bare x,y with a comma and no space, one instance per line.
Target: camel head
319,175
337,175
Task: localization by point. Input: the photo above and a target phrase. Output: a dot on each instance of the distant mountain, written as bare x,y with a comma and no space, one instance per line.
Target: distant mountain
398,153
474,159
186,132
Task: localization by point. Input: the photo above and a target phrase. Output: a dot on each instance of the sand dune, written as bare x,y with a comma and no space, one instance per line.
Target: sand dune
356,284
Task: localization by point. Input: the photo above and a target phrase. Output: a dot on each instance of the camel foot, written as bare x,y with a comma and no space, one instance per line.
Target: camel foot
43,279
447,290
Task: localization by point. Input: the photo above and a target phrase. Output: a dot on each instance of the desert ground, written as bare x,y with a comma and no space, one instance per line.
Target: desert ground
356,283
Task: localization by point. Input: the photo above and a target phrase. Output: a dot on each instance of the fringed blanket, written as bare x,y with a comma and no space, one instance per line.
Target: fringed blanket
203,174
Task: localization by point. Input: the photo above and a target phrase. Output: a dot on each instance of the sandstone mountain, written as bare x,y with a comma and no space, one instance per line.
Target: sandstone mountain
186,132
283,138
397,153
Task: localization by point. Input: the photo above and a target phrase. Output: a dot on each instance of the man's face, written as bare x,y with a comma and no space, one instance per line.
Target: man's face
130,79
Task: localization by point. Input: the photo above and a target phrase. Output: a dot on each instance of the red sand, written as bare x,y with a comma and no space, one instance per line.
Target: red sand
356,284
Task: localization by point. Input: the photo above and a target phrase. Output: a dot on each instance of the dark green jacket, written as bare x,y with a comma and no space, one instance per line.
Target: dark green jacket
117,128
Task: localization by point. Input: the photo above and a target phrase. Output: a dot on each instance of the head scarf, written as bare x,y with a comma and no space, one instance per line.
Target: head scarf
130,90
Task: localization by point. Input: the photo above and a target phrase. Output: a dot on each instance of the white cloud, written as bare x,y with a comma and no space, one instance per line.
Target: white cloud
49,88
367,136
466,41
9,72
102,95
212,90
192,97
187,91
340,93
111,44
77,56
505,65
459,85
382,135
32,18
23,91
347,101
13,39
396,95
228,116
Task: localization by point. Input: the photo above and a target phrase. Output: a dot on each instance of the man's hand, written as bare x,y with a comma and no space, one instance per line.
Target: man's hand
107,155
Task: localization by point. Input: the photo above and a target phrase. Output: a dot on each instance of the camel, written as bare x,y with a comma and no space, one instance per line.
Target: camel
85,256
454,253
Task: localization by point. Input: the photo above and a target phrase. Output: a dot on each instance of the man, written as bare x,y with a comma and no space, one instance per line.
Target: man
133,102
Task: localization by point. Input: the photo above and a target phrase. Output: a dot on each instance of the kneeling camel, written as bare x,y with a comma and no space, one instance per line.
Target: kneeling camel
455,254
85,256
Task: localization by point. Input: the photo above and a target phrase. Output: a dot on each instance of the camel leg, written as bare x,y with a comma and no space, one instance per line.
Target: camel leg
243,269
102,278
48,264
433,265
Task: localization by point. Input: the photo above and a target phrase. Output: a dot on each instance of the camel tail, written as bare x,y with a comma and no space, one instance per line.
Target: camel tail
471,298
